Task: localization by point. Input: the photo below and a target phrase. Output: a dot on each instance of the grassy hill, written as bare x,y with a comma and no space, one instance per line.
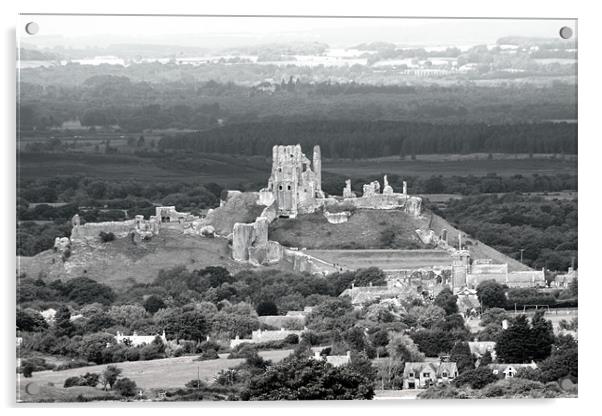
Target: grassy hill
366,229
119,262
122,262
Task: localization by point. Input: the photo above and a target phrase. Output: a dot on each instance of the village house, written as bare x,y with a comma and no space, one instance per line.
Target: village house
334,360
509,370
419,375
136,340
260,336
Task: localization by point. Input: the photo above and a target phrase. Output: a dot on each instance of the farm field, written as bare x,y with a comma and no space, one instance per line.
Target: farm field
163,373
232,169
477,167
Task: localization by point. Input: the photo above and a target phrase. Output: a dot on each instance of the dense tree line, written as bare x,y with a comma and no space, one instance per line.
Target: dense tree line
545,229
368,139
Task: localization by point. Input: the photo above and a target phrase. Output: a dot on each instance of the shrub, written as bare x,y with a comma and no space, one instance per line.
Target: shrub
125,387
27,369
209,354
106,237
196,384
292,339
267,308
71,382
477,378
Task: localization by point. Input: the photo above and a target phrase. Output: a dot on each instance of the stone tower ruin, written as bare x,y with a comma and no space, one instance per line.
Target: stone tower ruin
295,182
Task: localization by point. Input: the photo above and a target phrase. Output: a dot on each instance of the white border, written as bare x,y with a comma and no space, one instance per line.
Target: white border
589,160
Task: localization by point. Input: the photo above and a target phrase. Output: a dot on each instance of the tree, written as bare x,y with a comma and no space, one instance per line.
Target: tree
126,315
491,294
447,300
153,303
402,348
493,316
460,353
427,316
514,344
30,321
92,346
267,308
125,387
62,322
27,369
299,378
542,335
109,376
477,378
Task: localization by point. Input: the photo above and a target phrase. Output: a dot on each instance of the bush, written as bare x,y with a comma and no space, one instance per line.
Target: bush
196,384
106,237
27,369
244,350
71,382
292,339
267,308
125,387
477,378
209,354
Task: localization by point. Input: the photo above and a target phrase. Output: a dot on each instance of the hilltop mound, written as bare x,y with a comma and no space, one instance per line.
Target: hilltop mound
366,229
121,261
376,229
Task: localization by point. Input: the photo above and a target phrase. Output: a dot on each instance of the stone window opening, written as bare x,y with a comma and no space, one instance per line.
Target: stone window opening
288,187
280,187
444,374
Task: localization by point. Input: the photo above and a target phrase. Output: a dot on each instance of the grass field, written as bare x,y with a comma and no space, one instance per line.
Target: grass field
385,259
163,373
227,169
447,167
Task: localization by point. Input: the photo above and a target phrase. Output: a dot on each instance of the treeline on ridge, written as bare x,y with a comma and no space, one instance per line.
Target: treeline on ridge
367,139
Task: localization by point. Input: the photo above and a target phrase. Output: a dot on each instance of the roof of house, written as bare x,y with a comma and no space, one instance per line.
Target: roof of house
504,367
481,347
437,368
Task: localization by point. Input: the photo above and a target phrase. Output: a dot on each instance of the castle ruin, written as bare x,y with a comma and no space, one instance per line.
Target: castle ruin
295,184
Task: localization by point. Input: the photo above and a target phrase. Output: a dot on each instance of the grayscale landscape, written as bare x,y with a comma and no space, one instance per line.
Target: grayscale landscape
296,209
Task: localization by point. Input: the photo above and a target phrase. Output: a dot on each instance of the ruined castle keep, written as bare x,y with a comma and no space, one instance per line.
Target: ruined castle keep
295,184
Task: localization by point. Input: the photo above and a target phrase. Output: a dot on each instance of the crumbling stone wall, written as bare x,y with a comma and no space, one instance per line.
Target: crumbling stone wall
169,214
250,243
303,262
337,217
140,228
372,198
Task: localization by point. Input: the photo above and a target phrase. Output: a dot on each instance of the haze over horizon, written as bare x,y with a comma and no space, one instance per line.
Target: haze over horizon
228,32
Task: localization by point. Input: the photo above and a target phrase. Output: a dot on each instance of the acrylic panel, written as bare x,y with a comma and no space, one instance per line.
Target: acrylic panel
295,208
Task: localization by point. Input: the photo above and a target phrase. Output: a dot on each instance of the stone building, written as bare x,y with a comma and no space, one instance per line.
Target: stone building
295,182
419,375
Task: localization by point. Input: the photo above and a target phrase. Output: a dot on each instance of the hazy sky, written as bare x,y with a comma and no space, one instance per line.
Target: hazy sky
209,32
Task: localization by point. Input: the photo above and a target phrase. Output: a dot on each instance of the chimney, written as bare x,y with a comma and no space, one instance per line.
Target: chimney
505,324
317,355
349,354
